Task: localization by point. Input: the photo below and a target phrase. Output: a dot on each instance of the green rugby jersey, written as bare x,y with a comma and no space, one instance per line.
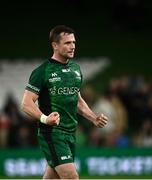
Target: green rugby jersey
57,85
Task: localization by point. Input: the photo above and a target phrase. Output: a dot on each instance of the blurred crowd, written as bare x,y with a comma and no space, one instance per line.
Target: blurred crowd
16,129
127,101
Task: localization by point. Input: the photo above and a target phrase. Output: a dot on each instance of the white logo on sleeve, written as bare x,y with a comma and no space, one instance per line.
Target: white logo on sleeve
65,157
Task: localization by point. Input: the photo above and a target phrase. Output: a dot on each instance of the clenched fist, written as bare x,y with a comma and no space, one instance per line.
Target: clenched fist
101,121
53,118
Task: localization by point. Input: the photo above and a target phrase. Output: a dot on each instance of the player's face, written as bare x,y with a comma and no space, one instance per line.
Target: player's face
66,46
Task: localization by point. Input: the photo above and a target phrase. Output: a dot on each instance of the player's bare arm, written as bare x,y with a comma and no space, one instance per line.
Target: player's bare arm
85,111
29,107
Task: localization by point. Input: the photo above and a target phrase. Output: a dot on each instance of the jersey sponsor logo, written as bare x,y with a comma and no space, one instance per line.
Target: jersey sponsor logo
64,90
55,79
33,88
65,157
66,70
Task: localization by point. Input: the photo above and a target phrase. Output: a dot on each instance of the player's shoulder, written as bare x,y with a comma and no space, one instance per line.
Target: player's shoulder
74,63
41,67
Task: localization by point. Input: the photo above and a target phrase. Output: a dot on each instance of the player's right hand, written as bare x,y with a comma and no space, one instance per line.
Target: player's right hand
53,119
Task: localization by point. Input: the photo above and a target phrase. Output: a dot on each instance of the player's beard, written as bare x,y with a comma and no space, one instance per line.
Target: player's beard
68,55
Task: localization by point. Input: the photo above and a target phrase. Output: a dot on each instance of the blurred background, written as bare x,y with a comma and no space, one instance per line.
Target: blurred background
113,48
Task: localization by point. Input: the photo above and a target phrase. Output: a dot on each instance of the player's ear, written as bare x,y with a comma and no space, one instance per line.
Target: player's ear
54,45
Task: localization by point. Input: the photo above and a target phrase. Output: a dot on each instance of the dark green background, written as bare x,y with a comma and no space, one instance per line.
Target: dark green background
25,28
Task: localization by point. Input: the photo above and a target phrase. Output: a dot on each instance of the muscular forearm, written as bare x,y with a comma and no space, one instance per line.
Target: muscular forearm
28,105
85,111
31,109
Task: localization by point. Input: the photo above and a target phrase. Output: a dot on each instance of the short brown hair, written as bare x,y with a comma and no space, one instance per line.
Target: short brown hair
57,30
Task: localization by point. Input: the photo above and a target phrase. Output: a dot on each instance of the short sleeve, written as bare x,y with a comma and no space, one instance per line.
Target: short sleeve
36,80
81,76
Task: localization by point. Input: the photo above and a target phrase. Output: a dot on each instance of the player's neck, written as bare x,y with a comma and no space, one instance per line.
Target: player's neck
60,59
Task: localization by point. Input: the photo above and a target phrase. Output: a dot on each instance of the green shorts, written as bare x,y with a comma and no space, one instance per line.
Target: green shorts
58,147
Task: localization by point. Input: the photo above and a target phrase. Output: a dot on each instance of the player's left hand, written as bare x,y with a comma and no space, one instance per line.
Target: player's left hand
101,121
